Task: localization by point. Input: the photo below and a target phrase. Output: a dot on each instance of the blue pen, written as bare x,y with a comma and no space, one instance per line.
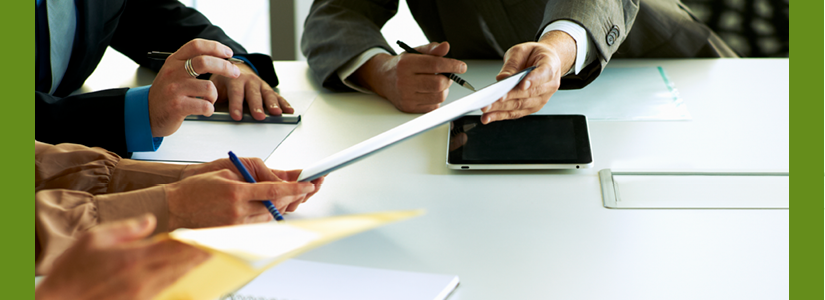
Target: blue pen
269,206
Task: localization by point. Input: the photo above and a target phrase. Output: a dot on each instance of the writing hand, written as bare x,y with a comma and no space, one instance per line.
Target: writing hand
221,198
411,82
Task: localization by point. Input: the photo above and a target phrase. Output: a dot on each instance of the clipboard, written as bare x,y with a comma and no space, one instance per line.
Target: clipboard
221,114
447,113
247,118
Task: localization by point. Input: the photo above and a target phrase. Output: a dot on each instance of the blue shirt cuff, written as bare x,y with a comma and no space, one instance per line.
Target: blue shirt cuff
136,117
246,61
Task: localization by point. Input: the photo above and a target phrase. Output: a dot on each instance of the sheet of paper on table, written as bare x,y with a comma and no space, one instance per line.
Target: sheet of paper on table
204,141
618,94
242,252
307,280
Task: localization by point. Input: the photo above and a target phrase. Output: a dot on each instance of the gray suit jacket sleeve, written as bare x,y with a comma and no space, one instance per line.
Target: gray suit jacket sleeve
607,23
340,30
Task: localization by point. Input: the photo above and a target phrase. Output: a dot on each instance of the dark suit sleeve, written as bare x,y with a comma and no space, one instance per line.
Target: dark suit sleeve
166,25
336,31
92,119
598,17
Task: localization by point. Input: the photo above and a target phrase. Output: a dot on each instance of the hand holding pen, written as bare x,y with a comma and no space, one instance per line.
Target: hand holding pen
452,76
301,190
411,82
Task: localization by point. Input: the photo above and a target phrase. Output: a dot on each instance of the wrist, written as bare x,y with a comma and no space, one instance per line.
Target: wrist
172,191
371,74
563,46
187,171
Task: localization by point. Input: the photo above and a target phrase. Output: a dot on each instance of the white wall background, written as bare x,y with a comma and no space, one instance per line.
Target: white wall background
247,21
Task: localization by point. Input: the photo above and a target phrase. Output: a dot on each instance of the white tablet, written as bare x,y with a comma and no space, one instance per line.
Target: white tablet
458,108
531,142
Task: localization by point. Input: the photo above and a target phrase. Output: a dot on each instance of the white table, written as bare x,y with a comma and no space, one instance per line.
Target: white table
545,234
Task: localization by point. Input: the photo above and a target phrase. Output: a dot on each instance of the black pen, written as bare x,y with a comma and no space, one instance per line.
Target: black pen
452,76
164,55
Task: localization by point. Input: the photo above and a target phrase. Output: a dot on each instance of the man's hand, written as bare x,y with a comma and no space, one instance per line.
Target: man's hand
175,94
411,81
258,169
258,94
115,261
222,198
553,55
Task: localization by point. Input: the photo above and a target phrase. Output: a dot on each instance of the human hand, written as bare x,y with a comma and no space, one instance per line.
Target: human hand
175,94
411,82
252,88
222,198
114,261
292,176
553,55
259,171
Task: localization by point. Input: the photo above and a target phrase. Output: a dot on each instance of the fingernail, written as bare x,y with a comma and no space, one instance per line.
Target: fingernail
488,108
526,84
143,223
237,71
463,68
228,52
237,112
258,110
273,106
309,188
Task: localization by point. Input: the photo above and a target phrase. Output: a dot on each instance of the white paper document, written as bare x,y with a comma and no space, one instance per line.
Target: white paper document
204,141
306,280
458,108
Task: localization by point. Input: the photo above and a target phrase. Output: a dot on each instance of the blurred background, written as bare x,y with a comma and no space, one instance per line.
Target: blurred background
753,28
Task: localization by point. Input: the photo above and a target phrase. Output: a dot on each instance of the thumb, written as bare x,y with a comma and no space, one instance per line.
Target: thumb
437,49
125,231
514,61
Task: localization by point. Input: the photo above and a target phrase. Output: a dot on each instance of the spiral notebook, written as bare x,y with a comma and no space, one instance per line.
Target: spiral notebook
306,280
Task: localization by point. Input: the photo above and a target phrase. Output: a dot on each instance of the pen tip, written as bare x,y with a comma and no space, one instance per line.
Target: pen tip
467,85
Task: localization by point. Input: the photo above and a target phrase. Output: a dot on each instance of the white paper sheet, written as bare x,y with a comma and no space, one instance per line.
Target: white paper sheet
306,280
204,141
474,101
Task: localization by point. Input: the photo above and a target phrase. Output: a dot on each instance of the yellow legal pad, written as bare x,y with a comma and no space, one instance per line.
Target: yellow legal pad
241,253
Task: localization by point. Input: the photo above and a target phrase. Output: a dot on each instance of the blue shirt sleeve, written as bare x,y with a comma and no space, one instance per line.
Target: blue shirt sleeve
246,61
136,116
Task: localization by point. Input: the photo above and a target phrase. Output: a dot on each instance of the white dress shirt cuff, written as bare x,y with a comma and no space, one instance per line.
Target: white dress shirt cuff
584,48
353,64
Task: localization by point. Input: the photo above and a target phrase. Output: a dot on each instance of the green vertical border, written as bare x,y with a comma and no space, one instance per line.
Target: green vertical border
17,112
806,150
806,262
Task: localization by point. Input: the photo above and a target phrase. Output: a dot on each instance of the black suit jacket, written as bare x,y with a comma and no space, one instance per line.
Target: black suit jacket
132,27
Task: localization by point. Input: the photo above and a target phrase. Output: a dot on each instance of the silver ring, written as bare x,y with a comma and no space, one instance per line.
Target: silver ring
190,69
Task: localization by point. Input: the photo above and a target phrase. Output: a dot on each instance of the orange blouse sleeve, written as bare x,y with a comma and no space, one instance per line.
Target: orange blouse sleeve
77,187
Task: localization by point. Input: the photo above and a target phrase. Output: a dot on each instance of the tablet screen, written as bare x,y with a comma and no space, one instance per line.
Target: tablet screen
536,139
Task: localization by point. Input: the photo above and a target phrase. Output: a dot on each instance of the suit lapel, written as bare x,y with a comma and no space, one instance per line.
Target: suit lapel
464,30
90,43
62,26
498,24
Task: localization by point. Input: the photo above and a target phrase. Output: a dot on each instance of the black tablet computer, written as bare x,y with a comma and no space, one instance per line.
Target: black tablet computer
531,142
